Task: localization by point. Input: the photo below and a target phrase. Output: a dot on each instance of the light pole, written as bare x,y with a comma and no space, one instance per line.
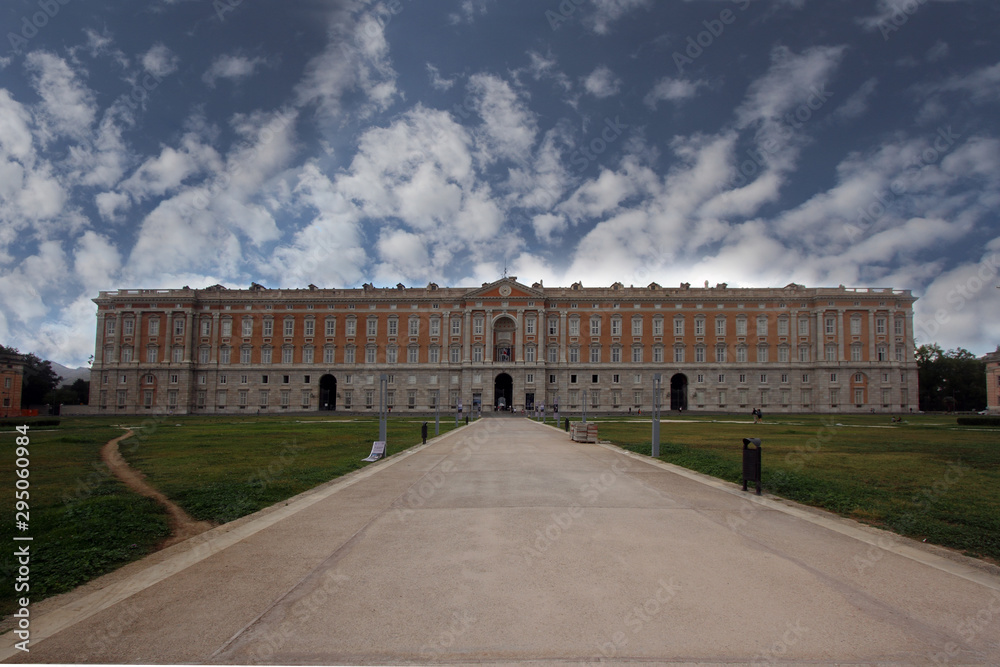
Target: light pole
383,395
437,413
656,414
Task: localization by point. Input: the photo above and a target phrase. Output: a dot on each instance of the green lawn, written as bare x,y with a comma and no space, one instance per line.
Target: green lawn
85,523
925,478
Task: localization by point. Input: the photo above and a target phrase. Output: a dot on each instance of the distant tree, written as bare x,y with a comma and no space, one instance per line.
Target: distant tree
954,380
39,378
82,389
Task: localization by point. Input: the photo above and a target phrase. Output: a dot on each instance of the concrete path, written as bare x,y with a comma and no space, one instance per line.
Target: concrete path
504,542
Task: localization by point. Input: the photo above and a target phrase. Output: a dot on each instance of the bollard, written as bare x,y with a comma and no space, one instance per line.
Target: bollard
423,433
566,425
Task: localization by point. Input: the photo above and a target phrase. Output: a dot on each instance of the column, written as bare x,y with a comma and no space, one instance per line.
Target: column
489,336
467,337
562,337
138,340
871,335
840,335
519,334
99,344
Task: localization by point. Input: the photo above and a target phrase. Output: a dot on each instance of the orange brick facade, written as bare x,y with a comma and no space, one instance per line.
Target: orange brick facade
792,349
11,381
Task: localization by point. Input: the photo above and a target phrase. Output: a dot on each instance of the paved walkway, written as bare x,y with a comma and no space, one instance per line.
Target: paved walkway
505,542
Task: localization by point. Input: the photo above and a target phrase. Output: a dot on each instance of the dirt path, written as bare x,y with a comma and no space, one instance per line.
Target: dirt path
182,526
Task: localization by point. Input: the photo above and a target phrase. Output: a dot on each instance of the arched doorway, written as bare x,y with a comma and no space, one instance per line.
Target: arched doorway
328,392
679,392
503,392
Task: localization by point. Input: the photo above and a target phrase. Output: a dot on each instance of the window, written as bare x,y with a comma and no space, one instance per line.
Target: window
268,328
658,355
370,355
434,355
529,354
369,398
595,326
678,326
762,325
348,398
154,326
553,326
803,353
699,326
126,354
373,326
263,397
412,355
413,327
151,354
637,326
391,355
128,327
178,326
855,353
455,355
574,355
352,327
411,398
574,326
658,326
456,326
595,355
287,353
763,378
616,355
109,326
834,397
762,354
637,355
204,354
882,353
741,355
553,354
833,377
178,355
393,326
265,355
743,378
899,353
856,325
679,355
435,326
722,378
720,354
803,326
783,354
307,355
477,326
880,326
831,352
720,326
699,354
741,326
206,326
783,326
897,326
247,330
477,353
172,398
616,327
831,325
350,355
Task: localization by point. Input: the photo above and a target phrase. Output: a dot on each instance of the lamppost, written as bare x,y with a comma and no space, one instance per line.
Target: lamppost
656,414
383,395
437,413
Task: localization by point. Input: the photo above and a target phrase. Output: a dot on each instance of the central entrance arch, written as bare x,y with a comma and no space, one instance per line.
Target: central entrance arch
679,392
328,392
503,390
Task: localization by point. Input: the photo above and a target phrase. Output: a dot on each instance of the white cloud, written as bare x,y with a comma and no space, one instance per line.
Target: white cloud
96,262
232,67
673,90
602,82
793,80
438,82
67,107
160,61
509,127
548,226
607,12
158,175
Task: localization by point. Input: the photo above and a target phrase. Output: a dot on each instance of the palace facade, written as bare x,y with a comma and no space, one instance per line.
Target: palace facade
719,349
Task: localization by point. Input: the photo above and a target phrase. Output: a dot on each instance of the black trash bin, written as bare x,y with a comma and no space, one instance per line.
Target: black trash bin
566,425
751,462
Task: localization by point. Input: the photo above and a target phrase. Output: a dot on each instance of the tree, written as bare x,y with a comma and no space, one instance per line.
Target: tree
39,378
953,381
82,390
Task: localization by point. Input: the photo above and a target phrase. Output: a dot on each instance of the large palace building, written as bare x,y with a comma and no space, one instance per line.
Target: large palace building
226,351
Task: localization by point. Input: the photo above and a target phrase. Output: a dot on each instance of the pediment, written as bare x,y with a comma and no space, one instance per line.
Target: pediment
505,288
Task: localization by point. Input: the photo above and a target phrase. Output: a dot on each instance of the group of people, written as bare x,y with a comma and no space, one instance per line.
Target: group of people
758,416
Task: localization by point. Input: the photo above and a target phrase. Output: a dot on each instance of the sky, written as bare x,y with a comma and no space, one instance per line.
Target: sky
172,143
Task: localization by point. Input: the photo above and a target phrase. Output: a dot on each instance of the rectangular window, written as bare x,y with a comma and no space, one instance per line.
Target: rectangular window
553,354
762,355
412,355
411,398
436,326
178,326
206,326
529,326
477,353
172,398
151,355
741,355
456,326
657,355
434,355
637,355
455,355
803,326
678,355
178,355
373,326
783,326
762,325
352,327
286,355
595,326
616,327
369,398
350,355
414,327
803,353
741,326
529,354
477,326
720,326
637,326
831,352
370,355
154,326
699,355
595,355
880,326
268,328
393,327
289,330
128,328
392,355
855,326
553,326
678,326
263,397
616,355
699,326
831,326
265,355
658,326
203,355
127,354
720,355
247,329
897,326
783,354
307,355
348,398
574,355
109,327
855,353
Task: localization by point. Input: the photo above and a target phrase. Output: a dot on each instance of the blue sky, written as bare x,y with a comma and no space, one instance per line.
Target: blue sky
336,142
